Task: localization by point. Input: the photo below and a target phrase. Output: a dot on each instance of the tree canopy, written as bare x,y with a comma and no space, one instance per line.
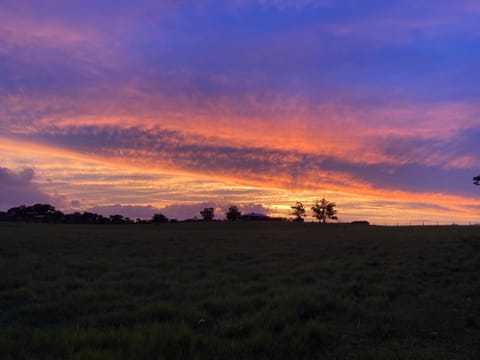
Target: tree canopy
476,180
233,214
324,210
298,210
159,218
208,214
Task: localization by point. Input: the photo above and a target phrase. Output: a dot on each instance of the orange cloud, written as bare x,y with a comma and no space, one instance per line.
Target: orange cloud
331,129
100,181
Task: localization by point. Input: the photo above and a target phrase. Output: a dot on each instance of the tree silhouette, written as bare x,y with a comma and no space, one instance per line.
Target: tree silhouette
208,214
324,210
117,219
42,209
476,180
298,210
34,213
159,218
233,214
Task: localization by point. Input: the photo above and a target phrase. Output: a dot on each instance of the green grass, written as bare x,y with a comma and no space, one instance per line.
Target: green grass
239,291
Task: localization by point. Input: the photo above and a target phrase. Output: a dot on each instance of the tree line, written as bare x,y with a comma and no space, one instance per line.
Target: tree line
323,210
46,213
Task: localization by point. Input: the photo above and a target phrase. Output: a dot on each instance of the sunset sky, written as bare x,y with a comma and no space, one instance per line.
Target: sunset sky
136,107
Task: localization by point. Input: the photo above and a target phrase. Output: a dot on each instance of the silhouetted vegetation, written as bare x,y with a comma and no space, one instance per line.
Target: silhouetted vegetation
208,214
476,180
34,213
298,210
324,210
46,213
233,214
159,219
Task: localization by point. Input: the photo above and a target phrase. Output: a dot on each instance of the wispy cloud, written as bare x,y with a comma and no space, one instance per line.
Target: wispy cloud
276,98
406,158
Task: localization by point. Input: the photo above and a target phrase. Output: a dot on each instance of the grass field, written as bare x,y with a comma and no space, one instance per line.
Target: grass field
239,291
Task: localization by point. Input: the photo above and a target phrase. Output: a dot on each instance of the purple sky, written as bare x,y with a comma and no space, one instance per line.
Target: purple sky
143,106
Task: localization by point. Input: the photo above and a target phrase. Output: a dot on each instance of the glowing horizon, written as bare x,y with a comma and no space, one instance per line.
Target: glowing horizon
166,106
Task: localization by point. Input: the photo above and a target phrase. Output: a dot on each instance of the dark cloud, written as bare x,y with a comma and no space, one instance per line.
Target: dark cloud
23,177
174,150
430,165
18,187
413,149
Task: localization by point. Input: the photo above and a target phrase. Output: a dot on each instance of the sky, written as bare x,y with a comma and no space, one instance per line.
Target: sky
136,107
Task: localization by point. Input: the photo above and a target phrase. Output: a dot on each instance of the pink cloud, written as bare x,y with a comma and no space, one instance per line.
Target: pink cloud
23,31
344,128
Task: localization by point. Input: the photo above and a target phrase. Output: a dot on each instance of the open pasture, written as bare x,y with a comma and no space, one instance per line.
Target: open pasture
239,291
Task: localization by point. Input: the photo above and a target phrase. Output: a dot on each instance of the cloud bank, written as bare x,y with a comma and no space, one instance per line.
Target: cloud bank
18,187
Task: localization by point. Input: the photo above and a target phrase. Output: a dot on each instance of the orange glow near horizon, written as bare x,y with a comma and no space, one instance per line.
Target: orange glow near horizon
160,106
380,206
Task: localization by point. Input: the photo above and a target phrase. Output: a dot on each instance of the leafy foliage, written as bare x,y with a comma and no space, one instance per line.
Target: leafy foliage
159,218
298,210
233,214
476,180
46,213
324,210
208,214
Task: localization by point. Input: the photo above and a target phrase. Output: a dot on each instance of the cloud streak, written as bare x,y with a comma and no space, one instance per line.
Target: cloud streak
408,158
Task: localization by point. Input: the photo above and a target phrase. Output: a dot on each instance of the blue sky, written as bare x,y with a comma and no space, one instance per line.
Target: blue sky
374,101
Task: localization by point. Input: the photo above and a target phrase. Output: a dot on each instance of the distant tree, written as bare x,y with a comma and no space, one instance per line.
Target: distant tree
35,213
208,214
159,218
88,218
298,210
324,210
233,214
56,217
18,213
42,209
476,180
117,219
74,218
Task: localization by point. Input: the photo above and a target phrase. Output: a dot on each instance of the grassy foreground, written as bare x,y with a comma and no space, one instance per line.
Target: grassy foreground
239,291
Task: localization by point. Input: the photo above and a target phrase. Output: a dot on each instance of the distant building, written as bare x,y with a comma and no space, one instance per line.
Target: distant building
360,222
254,217
259,217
